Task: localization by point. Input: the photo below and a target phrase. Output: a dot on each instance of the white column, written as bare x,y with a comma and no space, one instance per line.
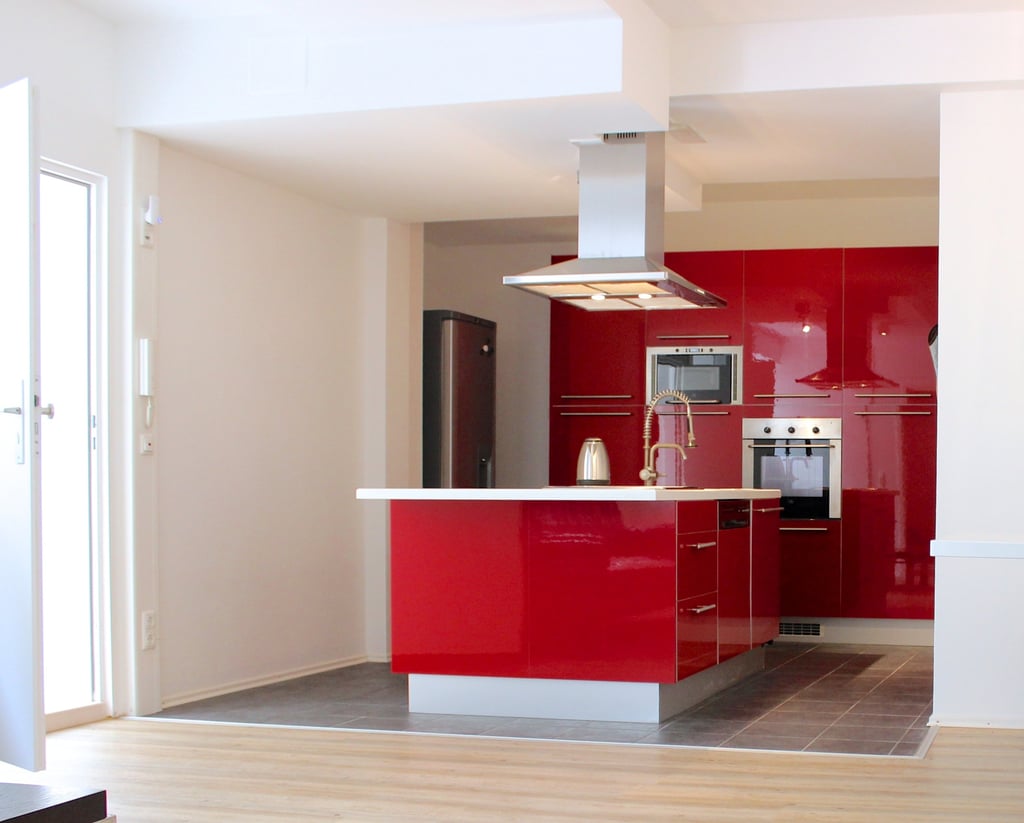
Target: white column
979,547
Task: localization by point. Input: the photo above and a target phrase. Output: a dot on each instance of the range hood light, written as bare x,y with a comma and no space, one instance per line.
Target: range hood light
621,232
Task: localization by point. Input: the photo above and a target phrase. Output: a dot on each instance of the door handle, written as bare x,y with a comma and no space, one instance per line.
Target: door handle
12,410
46,410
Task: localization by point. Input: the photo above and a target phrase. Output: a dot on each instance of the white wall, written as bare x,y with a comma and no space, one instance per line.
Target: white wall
979,547
257,431
468,278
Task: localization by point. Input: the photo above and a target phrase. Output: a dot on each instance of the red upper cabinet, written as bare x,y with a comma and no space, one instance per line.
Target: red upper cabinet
716,462
793,342
596,356
719,272
888,511
891,305
619,427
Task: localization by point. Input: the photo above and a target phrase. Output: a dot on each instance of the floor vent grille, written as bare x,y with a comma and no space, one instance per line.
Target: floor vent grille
800,629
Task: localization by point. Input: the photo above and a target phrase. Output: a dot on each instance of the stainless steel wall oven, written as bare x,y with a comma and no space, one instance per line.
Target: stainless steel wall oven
705,374
800,456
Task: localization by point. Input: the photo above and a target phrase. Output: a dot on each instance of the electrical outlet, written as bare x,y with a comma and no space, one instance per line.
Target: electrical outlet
148,630
146,443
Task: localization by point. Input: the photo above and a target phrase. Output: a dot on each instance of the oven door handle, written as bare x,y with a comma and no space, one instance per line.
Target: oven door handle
792,446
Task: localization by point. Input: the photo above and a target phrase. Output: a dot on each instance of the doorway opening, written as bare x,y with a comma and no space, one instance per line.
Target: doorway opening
74,548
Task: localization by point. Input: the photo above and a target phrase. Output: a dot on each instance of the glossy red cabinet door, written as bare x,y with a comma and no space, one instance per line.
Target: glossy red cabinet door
764,571
793,342
596,356
621,429
719,272
890,306
889,511
697,634
733,592
810,564
602,590
716,461
472,621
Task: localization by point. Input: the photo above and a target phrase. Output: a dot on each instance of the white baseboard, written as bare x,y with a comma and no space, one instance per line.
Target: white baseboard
866,631
255,682
968,722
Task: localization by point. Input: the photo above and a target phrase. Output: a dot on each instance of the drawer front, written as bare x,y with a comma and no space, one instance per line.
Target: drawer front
696,516
696,634
696,564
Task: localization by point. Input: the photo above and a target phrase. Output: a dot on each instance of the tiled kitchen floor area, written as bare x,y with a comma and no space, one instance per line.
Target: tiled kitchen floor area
851,699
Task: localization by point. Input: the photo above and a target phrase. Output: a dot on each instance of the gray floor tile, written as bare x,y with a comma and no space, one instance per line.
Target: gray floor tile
847,698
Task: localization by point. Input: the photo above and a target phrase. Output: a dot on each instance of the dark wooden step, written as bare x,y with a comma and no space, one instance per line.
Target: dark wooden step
50,804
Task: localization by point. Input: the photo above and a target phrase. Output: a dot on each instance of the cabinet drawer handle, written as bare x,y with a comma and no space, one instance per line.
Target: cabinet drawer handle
894,414
597,397
772,509
598,414
802,529
702,609
695,414
790,396
694,336
922,394
699,546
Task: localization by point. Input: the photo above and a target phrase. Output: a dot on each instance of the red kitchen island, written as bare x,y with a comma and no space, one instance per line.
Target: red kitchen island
622,603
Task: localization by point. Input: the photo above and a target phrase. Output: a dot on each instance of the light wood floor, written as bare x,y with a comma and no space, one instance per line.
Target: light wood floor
166,771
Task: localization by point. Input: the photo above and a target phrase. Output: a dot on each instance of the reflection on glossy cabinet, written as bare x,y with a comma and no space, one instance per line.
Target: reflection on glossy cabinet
719,272
890,305
793,341
888,511
621,429
596,356
810,565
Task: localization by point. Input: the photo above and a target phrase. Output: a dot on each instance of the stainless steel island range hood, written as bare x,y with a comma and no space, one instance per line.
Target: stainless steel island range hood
621,234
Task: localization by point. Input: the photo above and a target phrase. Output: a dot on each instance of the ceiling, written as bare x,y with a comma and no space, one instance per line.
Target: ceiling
513,160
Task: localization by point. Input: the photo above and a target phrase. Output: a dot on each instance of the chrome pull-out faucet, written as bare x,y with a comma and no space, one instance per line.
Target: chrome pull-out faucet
648,474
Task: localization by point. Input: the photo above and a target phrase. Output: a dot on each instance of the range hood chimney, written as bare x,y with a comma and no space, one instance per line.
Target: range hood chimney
621,234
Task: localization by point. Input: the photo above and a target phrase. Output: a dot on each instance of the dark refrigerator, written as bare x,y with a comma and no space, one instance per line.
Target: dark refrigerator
458,400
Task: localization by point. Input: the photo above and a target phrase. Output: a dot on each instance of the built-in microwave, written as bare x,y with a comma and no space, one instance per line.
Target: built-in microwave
705,374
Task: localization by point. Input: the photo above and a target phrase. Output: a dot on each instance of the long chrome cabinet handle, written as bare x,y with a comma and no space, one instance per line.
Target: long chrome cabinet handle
893,414
696,414
598,414
694,336
596,397
789,396
702,609
700,546
772,509
916,394
802,529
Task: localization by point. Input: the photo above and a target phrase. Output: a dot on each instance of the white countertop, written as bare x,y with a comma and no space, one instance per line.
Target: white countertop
571,493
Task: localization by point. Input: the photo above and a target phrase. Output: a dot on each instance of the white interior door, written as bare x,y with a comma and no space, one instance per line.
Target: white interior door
22,723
